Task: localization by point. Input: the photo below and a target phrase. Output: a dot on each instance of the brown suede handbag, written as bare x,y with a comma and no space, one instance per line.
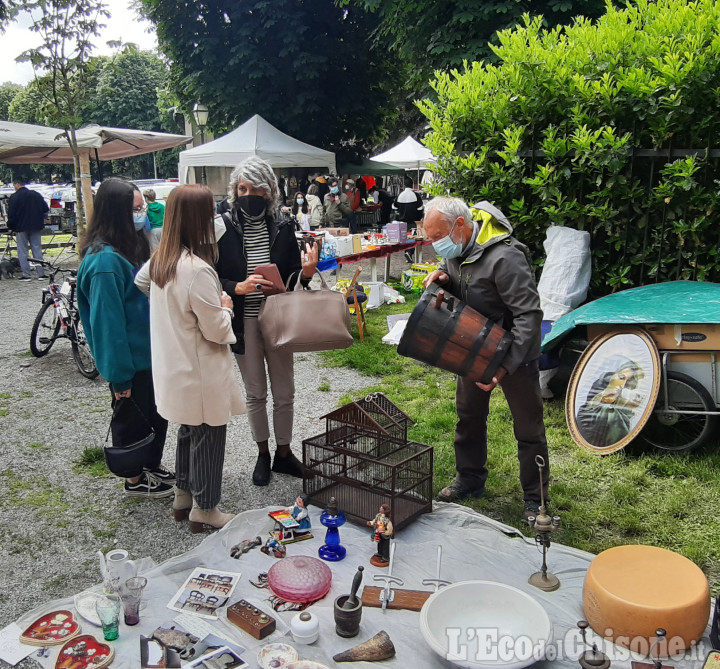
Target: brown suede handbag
306,320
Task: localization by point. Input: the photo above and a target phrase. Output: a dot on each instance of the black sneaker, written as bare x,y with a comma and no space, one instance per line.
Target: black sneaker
261,473
148,485
163,474
456,492
288,465
24,278
531,510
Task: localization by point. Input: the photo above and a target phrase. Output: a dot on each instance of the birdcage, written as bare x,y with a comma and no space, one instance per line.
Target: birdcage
374,412
363,469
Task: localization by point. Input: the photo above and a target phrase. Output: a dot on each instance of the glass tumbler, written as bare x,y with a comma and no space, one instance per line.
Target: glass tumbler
108,610
131,598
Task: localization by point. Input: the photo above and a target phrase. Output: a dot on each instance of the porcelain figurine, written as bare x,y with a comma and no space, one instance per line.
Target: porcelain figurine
300,513
382,533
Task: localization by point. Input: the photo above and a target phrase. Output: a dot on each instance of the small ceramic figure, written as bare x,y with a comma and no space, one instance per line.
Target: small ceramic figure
382,533
274,546
244,546
300,513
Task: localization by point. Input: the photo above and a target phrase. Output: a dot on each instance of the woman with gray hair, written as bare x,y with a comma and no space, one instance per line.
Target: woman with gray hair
258,234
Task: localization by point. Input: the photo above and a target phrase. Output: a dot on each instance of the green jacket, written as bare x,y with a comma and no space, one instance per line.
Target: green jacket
156,214
115,316
494,277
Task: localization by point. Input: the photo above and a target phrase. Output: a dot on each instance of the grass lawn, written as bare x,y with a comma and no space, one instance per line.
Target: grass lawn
636,496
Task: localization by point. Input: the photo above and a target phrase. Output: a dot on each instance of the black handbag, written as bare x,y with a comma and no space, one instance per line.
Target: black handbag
131,435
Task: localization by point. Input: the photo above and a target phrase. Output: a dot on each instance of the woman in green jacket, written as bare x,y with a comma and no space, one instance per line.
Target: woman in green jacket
116,319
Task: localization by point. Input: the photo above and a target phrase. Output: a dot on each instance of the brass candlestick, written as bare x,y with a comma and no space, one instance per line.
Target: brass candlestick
544,525
594,658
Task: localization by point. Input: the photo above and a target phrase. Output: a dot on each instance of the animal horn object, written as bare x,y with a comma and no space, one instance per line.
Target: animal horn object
380,647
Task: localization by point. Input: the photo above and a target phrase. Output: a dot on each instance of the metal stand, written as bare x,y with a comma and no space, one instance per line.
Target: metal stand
591,659
544,525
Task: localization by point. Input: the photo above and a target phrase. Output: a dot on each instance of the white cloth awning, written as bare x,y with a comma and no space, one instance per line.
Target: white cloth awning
255,137
409,154
21,143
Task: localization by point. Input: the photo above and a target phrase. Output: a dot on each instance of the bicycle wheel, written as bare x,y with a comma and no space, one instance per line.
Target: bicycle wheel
81,351
678,432
44,330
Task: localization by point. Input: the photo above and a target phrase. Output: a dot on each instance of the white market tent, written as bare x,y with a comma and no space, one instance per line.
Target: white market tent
255,137
409,154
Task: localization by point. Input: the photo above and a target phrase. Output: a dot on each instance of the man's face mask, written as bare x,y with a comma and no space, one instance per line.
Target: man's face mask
446,247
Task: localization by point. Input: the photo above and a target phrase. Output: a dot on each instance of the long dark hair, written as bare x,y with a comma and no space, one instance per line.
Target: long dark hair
111,223
295,207
188,226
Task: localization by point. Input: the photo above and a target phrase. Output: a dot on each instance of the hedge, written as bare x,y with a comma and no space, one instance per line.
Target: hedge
609,126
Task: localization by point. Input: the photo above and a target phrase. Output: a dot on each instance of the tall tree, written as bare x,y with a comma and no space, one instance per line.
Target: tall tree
430,35
8,91
304,65
66,28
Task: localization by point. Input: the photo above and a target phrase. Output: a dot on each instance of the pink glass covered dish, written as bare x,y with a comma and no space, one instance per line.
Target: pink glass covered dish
300,578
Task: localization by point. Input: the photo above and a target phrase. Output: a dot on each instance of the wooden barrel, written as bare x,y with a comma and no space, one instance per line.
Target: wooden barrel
444,332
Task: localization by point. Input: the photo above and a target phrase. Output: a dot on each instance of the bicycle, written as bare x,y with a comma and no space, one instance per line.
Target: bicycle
59,318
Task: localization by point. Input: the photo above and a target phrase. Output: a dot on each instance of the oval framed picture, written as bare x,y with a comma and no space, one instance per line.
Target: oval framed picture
613,390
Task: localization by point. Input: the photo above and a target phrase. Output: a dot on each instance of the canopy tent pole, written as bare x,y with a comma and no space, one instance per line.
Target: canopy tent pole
85,184
99,166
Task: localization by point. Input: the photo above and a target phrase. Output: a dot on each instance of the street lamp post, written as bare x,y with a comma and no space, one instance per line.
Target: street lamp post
200,113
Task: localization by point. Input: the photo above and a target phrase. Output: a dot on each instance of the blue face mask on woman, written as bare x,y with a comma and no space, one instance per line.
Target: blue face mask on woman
334,189
446,247
140,220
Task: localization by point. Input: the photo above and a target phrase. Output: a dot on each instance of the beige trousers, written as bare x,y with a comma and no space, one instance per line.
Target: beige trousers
282,386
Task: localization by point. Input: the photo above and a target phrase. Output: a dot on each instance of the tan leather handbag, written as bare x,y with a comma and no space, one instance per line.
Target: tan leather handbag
306,320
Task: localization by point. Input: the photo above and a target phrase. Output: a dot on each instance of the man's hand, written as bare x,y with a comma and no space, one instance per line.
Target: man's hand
436,276
123,393
487,387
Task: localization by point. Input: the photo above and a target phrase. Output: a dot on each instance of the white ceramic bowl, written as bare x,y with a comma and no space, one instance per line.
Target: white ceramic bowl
483,624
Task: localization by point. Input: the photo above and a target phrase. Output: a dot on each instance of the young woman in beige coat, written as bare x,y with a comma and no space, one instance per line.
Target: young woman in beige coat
193,371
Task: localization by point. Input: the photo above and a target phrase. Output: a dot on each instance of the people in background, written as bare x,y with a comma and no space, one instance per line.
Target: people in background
191,328
386,200
337,206
301,210
155,214
354,200
498,282
317,209
257,235
409,205
27,215
116,319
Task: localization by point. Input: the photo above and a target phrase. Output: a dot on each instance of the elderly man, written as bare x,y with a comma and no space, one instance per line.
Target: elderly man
488,269
27,215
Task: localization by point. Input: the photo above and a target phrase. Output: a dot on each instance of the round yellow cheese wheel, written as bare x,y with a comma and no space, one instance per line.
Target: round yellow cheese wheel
631,591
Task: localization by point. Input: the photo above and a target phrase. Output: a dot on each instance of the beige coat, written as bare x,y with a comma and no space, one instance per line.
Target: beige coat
193,369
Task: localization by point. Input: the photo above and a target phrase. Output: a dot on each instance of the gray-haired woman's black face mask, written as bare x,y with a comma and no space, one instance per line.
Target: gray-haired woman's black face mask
252,205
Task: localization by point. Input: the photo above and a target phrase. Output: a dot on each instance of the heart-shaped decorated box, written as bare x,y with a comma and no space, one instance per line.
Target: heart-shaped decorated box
51,629
84,652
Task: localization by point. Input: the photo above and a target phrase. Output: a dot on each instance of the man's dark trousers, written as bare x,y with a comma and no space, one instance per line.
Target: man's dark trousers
522,392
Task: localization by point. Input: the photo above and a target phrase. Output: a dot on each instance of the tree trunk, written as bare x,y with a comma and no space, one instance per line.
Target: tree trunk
77,169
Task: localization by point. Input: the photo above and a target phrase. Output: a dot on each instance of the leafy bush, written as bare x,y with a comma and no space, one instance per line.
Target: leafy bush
606,126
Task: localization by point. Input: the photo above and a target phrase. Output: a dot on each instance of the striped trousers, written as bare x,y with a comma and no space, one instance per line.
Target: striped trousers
199,462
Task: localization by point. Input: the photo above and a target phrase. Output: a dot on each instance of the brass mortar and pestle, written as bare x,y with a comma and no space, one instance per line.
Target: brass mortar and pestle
348,609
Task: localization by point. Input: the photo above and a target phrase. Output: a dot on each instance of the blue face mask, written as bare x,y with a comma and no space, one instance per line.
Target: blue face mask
446,247
140,220
300,200
334,189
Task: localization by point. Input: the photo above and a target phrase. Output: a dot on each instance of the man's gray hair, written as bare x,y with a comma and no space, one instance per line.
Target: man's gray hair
450,208
257,172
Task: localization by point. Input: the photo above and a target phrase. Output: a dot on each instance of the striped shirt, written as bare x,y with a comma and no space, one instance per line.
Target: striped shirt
257,252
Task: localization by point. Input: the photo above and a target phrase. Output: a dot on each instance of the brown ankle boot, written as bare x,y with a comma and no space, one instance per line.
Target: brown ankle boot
212,517
182,504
